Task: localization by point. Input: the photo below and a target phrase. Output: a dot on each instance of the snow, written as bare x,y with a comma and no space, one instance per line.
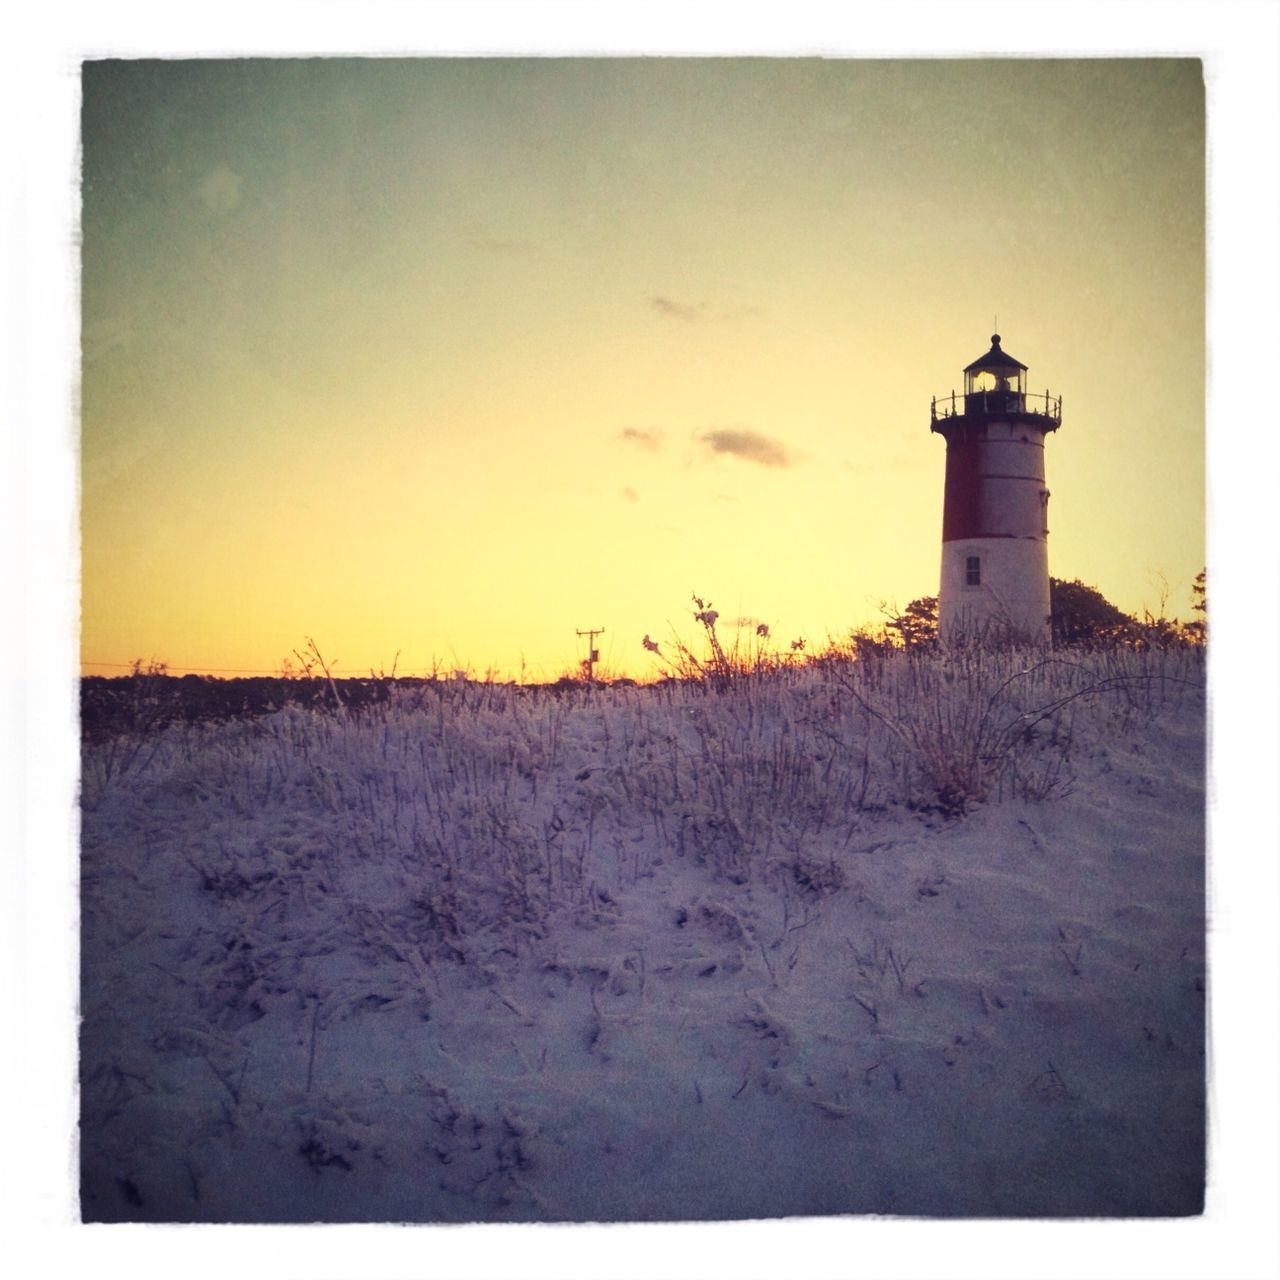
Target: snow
486,954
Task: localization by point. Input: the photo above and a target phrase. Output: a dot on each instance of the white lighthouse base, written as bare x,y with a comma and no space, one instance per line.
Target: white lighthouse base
1010,599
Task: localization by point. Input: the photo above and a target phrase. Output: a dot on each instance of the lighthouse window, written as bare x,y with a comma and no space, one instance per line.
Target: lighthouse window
972,571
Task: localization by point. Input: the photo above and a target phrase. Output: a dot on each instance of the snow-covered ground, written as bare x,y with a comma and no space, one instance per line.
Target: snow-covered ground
916,937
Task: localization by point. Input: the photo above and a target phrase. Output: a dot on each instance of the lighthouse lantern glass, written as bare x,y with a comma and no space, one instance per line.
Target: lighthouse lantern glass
996,380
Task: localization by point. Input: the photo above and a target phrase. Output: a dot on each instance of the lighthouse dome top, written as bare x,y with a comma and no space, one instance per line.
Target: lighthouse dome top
995,389
994,359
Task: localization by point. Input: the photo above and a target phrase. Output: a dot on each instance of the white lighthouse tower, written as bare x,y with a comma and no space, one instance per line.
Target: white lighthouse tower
995,513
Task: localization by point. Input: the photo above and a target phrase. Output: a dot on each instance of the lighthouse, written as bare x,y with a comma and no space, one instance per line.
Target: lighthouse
995,510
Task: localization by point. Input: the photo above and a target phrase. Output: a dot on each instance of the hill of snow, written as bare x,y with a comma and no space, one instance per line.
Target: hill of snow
915,936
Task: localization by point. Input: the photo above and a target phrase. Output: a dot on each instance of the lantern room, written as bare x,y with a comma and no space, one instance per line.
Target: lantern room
995,382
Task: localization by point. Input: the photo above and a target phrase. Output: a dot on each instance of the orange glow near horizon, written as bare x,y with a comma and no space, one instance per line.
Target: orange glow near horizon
452,358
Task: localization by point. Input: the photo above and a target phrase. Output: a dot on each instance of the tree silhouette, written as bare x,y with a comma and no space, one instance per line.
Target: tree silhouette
917,624
1197,630
1082,614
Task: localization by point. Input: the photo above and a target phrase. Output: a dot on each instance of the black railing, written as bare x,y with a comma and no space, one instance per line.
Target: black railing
984,402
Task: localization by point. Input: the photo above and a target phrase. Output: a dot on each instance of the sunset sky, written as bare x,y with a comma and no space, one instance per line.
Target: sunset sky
454,357
840,243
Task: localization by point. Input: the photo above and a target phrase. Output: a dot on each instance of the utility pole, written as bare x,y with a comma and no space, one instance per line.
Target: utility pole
593,654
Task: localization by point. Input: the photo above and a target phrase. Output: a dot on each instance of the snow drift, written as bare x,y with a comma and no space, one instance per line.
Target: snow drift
913,935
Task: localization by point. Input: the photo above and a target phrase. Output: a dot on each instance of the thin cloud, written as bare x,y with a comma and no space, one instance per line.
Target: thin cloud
645,439
692,312
677,310
750,446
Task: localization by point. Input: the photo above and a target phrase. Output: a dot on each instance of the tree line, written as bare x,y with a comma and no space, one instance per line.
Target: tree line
1080,616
